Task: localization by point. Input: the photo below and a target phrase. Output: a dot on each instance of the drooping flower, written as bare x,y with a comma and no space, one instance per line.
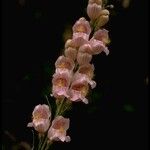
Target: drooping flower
82,26
63,64
61,82
98,47
93,11
58,129
41,118
79,90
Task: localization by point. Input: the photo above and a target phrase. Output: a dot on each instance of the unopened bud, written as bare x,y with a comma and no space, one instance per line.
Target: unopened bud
71,53
93,11
83,58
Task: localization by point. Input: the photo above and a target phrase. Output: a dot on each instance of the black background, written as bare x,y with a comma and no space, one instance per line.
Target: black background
32,39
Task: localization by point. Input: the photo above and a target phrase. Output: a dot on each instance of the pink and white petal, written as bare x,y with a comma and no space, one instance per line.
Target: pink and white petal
82,25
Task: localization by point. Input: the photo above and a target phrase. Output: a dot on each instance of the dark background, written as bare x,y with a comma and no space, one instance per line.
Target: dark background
117,116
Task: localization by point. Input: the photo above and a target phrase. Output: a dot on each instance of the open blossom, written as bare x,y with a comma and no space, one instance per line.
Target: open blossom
80,38
82,25
61,82
41,118
81,32
102,35
98,47
85,77
79,90
58,129
63,64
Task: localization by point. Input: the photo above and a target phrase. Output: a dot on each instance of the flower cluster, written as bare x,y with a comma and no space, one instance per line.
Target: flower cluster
73,77
74,72
42,122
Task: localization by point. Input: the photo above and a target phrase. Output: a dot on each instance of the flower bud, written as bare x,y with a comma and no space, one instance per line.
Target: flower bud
103,18
83,58
93,11
69,43
86,48
71,53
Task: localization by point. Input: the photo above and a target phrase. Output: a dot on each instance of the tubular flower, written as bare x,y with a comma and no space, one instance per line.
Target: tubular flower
98,47
64,64
41,118
102,35
93,11
58,129
71,53
78,90
83,58
87,69
86,78
69,43
86,48
61,82
82,26
80,38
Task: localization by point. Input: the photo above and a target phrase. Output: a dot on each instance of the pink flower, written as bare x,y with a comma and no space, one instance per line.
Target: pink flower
102,35
87,69
41,118
82,25
85,78
64,64
98,47
83,58
86,48
80,38
58,129
71,53
93,11
61,82
79,89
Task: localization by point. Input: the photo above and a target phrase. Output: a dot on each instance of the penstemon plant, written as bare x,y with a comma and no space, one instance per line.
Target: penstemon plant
73,75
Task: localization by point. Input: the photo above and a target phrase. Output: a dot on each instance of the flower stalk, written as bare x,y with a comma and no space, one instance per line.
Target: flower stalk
73,75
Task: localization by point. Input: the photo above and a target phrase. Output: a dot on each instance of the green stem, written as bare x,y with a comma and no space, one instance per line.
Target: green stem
44,144
58,111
